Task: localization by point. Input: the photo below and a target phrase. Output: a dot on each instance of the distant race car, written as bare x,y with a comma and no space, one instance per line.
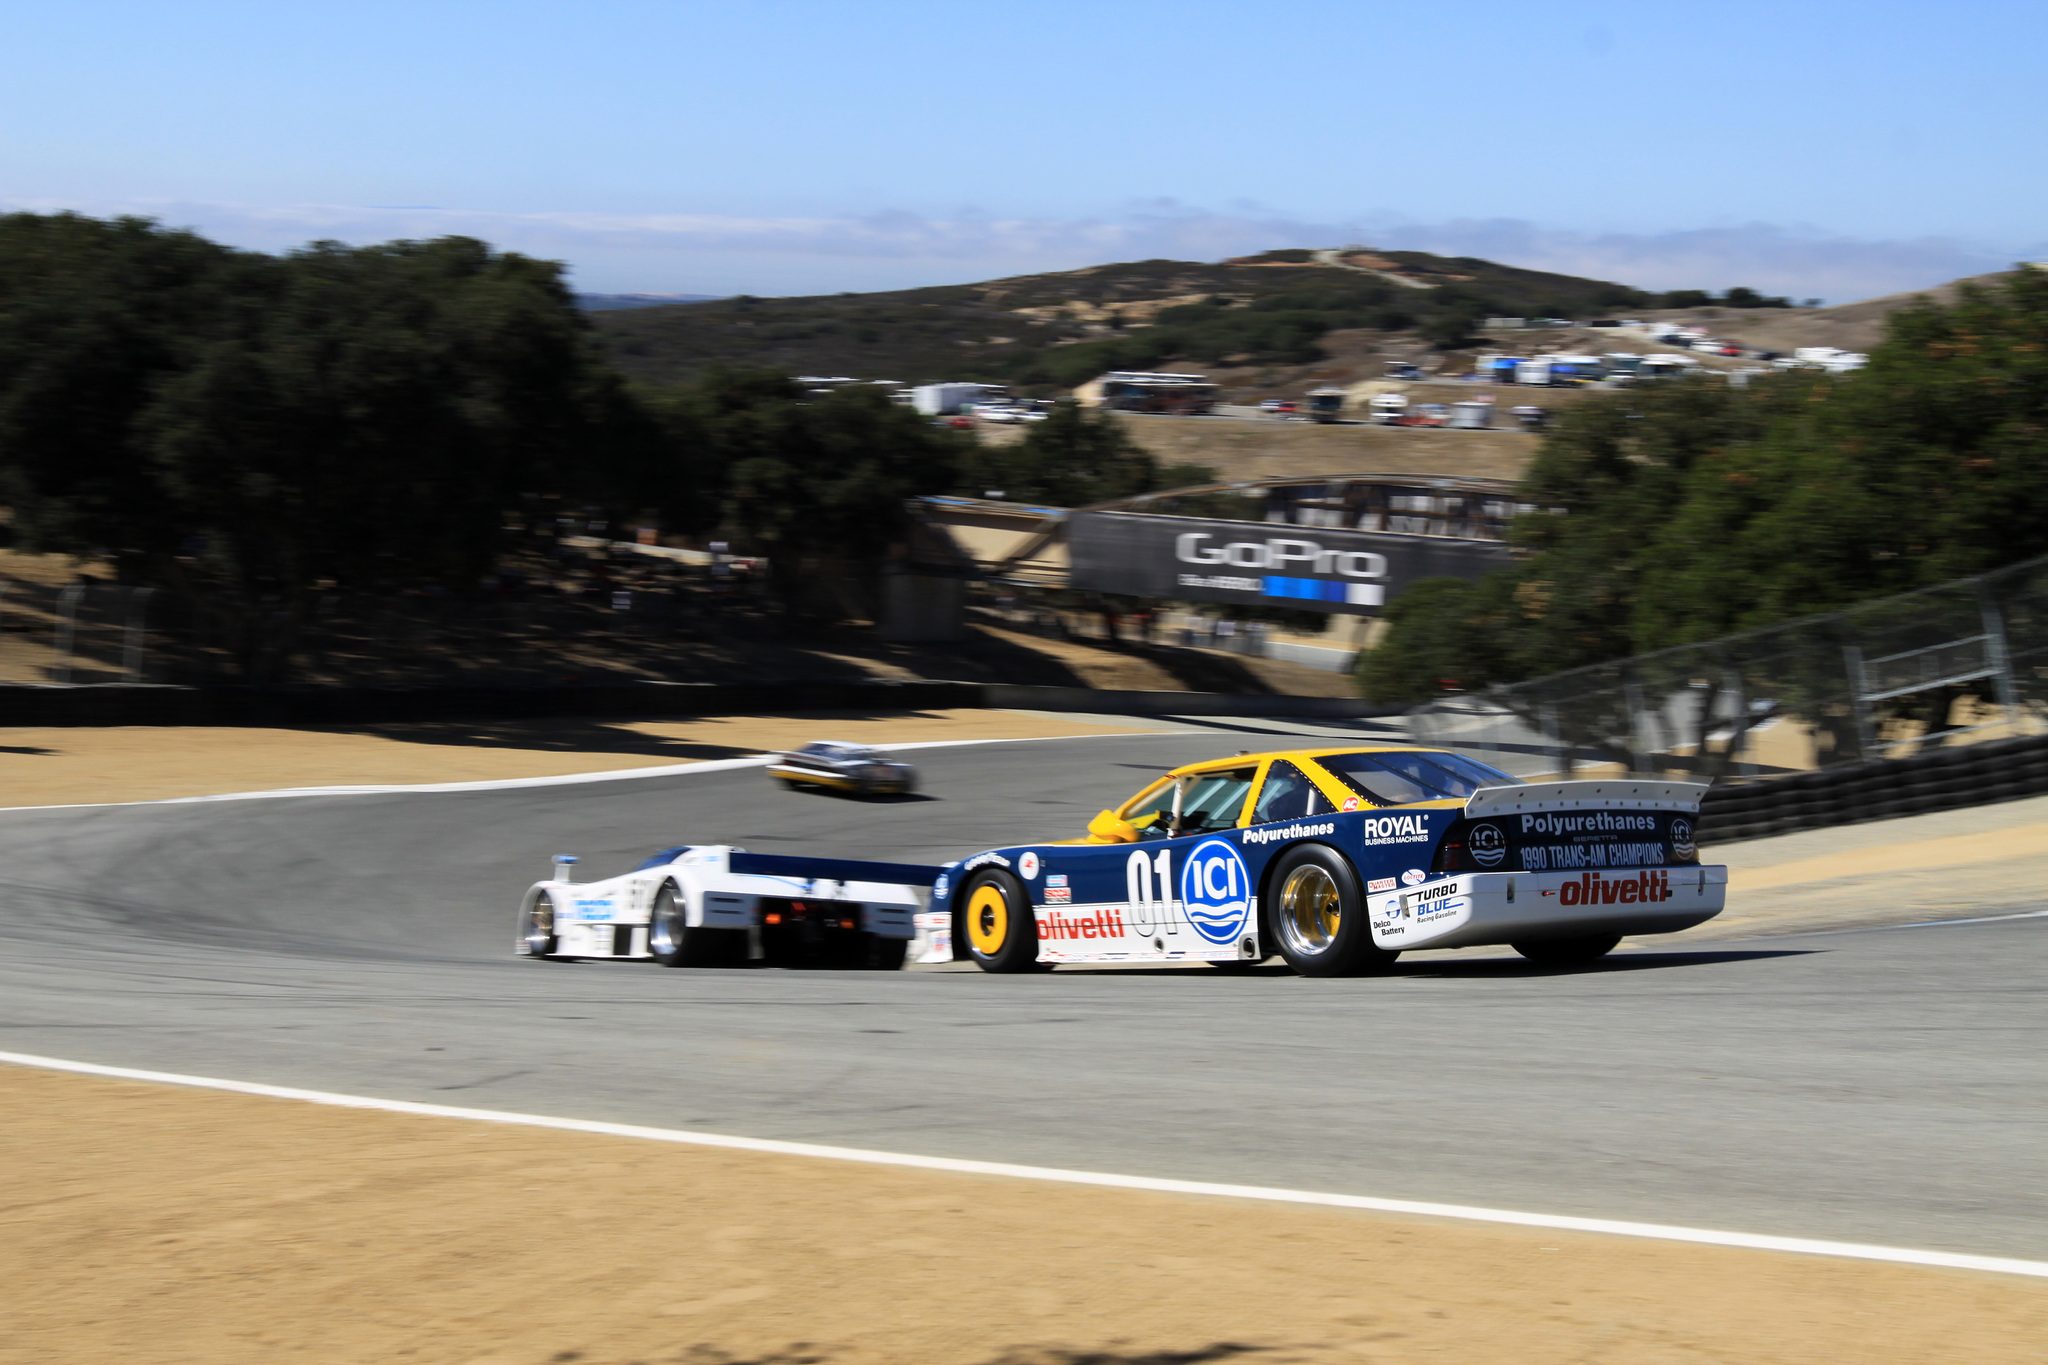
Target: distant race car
1339,860
723,907
843,767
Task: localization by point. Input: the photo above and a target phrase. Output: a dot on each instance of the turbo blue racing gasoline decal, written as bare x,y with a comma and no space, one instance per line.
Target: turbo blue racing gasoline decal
1215,888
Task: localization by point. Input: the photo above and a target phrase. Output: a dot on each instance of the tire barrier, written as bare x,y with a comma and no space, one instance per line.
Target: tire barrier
1882,789
154,704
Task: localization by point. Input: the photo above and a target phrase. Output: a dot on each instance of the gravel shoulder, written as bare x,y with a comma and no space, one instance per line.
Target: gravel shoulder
149,1223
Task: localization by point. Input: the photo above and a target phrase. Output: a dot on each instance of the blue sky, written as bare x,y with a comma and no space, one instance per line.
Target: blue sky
1834,151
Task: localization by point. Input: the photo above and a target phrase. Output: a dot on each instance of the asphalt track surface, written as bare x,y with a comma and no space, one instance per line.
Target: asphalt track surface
1881,1086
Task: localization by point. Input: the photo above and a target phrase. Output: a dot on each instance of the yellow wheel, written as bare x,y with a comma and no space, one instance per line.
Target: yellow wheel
988,919
1001,931
1311,911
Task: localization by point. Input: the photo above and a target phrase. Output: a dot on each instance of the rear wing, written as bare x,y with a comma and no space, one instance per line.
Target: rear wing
831,869
1621,794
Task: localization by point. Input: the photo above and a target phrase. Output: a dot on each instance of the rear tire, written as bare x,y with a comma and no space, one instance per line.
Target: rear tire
1568,952
673,943
1317,914
1001,931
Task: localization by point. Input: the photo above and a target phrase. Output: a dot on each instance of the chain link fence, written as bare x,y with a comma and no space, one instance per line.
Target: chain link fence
1946,665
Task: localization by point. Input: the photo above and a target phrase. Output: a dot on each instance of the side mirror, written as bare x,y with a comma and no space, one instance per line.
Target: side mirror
1109,828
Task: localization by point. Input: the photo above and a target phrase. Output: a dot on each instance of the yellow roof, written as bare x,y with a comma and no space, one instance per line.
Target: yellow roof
1322,751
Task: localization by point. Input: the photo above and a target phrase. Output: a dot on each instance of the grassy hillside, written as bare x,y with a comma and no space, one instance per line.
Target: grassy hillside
1056,330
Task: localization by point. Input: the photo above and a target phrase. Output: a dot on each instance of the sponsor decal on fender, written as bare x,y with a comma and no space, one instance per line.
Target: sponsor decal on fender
1256,835
1381,884
1590,888
1058,895
1101,924
1414,876
1216,890
1394,829
1486,844
1055,879
942,885
1351,803
1430,893
985,860
1027,865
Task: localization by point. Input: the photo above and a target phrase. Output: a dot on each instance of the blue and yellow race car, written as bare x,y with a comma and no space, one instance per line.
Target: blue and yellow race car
1339,859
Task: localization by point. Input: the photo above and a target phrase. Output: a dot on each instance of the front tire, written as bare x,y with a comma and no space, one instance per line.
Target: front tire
1568,952
1317,916
537,928
1001,930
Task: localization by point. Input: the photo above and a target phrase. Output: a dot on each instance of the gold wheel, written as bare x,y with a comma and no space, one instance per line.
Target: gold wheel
1311,911
988,919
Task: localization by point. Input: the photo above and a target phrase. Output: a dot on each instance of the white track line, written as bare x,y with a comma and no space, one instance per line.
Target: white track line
716,765
1657,1231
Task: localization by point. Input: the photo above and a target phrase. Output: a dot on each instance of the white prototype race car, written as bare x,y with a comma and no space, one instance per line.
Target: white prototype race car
717,906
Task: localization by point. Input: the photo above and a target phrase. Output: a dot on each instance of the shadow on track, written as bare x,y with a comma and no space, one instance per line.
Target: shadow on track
1627,962
1488,967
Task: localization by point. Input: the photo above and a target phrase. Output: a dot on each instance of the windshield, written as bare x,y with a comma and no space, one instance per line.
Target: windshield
1150,812
1214,800
1400,777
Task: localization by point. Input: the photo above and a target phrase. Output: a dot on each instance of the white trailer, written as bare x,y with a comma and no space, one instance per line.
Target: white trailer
1472,415
1533,372
1386,409
945,400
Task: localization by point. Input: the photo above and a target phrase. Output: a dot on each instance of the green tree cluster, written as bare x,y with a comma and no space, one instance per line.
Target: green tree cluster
816,485
376,418
1681,512
361,416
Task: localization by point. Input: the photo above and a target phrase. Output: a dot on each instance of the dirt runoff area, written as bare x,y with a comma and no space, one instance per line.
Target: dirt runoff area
156,1224
78,765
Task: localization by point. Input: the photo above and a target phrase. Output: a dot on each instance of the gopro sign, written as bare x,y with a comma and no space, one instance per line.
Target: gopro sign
1257,563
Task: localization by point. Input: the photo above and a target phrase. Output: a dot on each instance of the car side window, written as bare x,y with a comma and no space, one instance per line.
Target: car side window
1288,795
1214,800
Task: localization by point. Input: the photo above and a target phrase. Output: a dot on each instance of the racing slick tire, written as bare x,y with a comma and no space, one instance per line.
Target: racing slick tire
1000,930
537,928
673,943
1317,913
1567,952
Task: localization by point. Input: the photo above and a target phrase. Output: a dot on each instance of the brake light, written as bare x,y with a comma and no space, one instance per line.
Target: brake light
772,918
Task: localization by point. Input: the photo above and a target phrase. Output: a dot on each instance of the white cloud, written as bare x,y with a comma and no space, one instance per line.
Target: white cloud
779,255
